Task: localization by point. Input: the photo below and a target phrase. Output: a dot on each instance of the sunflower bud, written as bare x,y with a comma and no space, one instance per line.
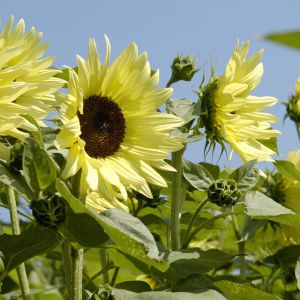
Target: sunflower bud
224,192
293,105
49,213
183,68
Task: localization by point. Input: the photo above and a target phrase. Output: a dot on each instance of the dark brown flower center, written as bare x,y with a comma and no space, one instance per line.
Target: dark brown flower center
102,126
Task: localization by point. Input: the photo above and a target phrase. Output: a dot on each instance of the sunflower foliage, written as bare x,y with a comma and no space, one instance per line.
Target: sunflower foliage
99,200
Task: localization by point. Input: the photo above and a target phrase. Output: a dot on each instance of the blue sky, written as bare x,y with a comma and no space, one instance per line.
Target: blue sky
164,28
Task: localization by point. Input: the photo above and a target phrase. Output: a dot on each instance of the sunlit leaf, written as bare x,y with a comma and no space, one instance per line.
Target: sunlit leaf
288,38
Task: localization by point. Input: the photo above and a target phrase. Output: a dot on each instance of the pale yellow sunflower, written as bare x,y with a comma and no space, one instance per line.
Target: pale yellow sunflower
232,115
26,82
112,127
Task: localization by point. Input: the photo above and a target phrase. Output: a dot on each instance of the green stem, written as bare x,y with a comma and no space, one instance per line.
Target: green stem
114,277
77,258
68,267
241,246
21,271
104,263
176,200
108,267
193,220
203,225
19,212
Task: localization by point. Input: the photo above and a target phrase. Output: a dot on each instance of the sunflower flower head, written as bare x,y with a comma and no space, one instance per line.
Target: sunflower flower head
27,82
293,105
231,115
111,125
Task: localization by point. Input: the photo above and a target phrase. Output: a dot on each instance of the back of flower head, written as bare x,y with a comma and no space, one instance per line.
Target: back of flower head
231,115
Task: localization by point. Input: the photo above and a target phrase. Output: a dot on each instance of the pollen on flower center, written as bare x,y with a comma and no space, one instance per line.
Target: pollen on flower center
102,126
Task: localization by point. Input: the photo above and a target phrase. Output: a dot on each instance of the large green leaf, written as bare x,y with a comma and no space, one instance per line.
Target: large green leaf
288,38
128,233
237,291
259,206
194,261
127,295
287,169
34,241
246,176
38,167
82,224
197,175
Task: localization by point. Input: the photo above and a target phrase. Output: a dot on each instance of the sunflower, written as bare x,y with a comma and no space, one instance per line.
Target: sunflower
112,127
233,116
26,82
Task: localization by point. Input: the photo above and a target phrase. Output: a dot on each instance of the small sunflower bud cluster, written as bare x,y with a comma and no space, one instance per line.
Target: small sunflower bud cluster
293,105
183,68
224,192
49,213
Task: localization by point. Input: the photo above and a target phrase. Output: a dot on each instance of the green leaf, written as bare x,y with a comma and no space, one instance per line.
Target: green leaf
194,261
15,180
131,236
259,206
38,167
246,176
33,241
287,169
82,224
127,295
297,273
289,38
197,175
285,257
214,170
184,108
134,286
128,233
237,291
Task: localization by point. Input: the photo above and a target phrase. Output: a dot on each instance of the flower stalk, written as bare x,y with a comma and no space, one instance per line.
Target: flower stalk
77,260
176,200
21,271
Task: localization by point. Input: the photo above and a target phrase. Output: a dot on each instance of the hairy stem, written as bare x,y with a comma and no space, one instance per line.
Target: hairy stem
104,263
68,267
77,258
21,271
191,224
176,200
241,246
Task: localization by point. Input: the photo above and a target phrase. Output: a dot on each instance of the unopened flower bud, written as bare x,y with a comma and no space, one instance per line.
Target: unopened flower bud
183,68
293,105
224,192
49,213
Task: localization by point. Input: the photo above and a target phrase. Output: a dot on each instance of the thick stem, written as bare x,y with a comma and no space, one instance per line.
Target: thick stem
104,264
191,224
298,129
68,267
21,271
77,258
241,246
176,200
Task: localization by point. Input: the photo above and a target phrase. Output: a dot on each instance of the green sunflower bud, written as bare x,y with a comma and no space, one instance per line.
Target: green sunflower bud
293,105
183,68
224,192
275,187
49,213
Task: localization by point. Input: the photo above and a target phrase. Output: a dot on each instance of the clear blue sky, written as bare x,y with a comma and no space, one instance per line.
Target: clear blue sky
208,29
